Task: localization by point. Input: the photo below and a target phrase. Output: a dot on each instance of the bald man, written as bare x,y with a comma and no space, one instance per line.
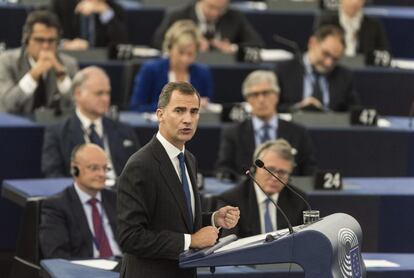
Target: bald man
92,95
80,222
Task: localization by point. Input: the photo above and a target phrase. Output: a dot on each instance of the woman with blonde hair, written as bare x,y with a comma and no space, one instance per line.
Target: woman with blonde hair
181,45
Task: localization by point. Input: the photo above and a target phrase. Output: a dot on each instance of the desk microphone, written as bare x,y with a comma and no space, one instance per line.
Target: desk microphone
274,203
260,164
288,43
410,115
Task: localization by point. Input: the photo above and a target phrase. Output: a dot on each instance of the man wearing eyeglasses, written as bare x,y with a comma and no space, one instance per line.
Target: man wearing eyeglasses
88,124
223,28
257,214
80,222
315,81
36,76
238,141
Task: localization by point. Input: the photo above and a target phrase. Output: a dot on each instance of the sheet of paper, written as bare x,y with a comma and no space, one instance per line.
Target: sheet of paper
380,263
98,263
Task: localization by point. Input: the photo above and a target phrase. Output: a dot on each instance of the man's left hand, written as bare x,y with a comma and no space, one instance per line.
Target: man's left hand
227,217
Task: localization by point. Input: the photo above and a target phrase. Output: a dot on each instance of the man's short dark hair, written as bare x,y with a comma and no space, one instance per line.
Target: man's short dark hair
327,30
183,87
39,16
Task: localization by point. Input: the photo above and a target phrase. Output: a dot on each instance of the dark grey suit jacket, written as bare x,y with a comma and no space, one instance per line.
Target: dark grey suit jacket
232,25
14,64
60,139
342,93
371,35
237,146
152,216
244,197
64,231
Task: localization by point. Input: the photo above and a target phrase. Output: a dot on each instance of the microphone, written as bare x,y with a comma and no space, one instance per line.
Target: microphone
410,123
274,203
260,164
289,43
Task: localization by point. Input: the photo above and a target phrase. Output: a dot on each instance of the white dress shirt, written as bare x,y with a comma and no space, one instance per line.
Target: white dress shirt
87,208
351,25
261,203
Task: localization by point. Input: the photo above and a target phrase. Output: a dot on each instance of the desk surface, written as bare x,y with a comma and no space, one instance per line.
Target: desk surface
65,269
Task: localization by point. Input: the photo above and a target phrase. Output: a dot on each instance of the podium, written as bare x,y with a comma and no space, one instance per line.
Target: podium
329,248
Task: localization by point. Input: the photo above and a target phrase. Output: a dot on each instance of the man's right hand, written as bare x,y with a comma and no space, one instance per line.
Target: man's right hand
204,237
43,64
310,101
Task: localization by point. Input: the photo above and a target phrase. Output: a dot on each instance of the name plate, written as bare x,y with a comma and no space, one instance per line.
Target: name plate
364,116
328,180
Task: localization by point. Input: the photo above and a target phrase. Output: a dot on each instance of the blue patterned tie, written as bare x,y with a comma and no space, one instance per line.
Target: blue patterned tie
267,218
94,137
265,133
186,185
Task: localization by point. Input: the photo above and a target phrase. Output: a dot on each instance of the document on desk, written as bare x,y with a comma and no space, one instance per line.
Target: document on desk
98,263
247,241
379,263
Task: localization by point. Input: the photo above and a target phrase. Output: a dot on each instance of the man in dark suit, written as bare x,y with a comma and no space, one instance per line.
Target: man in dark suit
159,212
224,28
363,34
36,76
90,23
258,214
315,81
238,141
80,222
92,94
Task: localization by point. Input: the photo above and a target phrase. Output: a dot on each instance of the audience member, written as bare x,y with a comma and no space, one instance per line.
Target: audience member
92,94
90,23
363,34
182,42
80,222
315,81
238,141
36,75
223,28
257,214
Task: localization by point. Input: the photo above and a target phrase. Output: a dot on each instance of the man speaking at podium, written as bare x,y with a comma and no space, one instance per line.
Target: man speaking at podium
159,212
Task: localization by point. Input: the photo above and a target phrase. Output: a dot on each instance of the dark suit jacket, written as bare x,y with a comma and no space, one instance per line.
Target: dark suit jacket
153,76
59,141
232,25
237,146
340,81
244,197
371,36
64,230
113,32
152,216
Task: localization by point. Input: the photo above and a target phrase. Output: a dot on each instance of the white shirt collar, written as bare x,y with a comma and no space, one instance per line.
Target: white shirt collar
85,197
261,197
350,22
86,122
199,13
171,150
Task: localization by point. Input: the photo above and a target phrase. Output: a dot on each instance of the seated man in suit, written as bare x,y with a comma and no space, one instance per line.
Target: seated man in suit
363,34
257,214
35,75
80,222
261,91
223,28
90,23
92,94
315,81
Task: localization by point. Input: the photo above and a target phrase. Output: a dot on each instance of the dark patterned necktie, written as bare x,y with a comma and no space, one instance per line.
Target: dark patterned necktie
317,90
186,185
40,94
94,137
100,239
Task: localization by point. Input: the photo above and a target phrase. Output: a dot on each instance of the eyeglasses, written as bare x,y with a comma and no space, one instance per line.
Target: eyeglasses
45,40
95,168
279,172
263,93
